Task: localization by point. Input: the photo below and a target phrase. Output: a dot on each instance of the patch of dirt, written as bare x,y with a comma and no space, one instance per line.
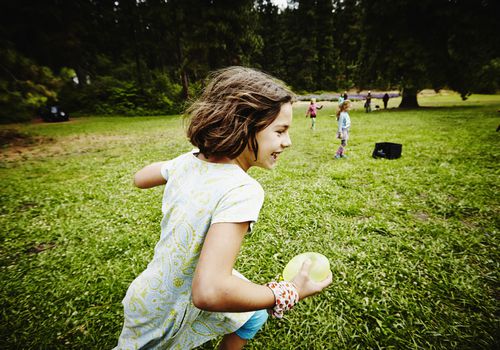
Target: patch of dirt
40,248
421,216
14,143
27,147
13,137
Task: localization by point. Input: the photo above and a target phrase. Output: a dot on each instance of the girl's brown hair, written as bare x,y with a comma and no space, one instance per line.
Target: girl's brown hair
236,104
343,107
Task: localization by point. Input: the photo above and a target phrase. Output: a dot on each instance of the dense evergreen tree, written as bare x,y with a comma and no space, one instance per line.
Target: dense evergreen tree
348,37
429,43
271,31
325,46
148,56
474,46
304,55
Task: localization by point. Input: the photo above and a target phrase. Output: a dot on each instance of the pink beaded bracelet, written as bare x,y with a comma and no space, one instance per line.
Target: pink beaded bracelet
285,297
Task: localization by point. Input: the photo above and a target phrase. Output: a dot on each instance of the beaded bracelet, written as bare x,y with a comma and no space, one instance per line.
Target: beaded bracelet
285,296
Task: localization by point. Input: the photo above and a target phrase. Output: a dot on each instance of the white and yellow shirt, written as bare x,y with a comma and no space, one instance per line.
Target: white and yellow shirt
158,310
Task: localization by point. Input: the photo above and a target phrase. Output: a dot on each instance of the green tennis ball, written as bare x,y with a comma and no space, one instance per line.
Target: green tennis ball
320,268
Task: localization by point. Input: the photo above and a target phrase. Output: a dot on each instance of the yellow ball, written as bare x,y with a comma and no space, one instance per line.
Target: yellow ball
320,268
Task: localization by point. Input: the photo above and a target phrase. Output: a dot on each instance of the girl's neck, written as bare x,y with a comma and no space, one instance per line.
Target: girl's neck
223,160
213,159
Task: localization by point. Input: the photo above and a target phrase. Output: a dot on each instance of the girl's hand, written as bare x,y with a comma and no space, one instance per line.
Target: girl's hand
305,285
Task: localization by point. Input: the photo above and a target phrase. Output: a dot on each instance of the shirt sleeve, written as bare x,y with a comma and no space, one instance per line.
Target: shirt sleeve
240,204
341,119
165,168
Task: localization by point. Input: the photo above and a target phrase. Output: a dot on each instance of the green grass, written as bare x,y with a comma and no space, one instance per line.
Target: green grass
413,242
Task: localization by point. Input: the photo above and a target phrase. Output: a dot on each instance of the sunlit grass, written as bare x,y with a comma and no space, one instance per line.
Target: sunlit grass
413,242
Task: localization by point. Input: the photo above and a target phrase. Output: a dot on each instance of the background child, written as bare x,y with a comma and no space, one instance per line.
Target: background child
189,292
342,98
385,99
311,111
368,102
344,123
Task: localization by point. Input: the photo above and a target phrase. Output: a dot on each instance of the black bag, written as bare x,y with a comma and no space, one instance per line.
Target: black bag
387,150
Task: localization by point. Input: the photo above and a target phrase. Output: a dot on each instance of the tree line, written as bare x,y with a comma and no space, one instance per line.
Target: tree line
150,56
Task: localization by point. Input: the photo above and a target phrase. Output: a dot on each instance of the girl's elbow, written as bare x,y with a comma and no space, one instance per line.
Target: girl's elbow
204,299
200,301
138,182
143,181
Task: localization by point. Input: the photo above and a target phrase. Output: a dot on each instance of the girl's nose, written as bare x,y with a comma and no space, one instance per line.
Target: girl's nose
287,141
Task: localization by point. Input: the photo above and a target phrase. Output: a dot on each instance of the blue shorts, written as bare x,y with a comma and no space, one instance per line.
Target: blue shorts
252,326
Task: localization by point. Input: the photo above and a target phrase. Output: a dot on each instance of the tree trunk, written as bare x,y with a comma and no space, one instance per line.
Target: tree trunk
409,99
185,84
183,70
138,68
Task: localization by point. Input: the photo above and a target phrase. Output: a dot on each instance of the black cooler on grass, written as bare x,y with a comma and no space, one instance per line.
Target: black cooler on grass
387,150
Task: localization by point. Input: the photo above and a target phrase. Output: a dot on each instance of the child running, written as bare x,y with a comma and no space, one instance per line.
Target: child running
312,111
344,123
189,292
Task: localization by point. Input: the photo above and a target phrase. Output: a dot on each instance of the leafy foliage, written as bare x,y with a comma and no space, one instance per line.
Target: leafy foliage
109,95
24,86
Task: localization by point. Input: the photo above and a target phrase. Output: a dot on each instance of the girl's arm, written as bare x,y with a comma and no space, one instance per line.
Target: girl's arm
149,176
216,289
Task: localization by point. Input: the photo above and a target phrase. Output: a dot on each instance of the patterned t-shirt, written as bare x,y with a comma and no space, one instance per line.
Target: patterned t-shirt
158,309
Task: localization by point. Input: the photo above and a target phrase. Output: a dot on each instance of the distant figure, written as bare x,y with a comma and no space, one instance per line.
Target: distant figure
342,98
368,102
344,123
311,112
385,99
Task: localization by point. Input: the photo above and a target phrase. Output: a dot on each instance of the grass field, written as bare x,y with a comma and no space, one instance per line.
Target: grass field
413,242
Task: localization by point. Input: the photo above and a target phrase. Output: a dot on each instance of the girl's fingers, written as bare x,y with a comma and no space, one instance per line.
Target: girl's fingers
326,282
306,267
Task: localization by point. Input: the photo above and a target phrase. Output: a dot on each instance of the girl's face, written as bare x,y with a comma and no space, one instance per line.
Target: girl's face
272,141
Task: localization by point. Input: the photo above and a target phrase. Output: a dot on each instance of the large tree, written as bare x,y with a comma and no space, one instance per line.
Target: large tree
428,43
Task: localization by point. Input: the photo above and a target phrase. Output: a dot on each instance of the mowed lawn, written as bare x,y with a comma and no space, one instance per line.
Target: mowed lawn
413,243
